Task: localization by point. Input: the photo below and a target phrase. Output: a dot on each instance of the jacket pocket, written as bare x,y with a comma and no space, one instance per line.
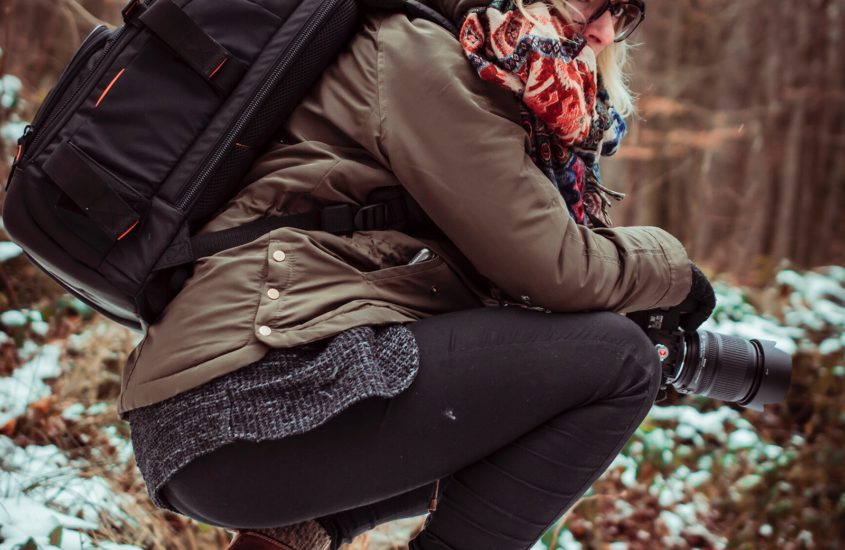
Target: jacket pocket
402,270
429,287
312,290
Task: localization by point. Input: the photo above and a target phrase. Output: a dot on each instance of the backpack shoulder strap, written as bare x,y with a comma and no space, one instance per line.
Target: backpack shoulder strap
386,207
414,8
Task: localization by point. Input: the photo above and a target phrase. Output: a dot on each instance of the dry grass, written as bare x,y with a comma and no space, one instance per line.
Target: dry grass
94,350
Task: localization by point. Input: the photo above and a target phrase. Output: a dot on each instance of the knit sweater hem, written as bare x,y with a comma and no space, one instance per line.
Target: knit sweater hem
288,392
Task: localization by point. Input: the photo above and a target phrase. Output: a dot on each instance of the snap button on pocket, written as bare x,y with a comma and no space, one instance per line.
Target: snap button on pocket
279,256
264,330
273,294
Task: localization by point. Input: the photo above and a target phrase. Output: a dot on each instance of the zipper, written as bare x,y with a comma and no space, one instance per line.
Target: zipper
55,121
22,145
225,144
90,42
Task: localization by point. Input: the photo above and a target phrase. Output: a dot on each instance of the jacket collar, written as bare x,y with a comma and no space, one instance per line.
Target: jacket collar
454,10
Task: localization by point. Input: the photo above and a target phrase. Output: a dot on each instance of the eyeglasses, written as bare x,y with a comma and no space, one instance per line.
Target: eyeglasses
627,14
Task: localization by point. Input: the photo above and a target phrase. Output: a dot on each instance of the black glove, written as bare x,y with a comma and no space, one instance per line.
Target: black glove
699,303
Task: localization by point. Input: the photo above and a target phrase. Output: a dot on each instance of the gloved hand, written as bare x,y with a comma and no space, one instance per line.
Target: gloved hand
699,303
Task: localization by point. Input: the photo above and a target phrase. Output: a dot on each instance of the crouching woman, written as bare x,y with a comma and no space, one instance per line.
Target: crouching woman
305,387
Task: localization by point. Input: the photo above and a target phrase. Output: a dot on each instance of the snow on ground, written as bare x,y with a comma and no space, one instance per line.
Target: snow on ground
43,497
26,384
10,87
9,250
683,433
39,480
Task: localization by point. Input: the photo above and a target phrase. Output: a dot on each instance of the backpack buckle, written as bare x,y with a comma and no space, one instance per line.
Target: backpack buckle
372,217
130,10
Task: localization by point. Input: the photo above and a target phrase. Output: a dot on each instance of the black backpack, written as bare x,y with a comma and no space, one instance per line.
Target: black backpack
152,127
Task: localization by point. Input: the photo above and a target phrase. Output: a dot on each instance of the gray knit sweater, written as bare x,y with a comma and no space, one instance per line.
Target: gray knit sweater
289,391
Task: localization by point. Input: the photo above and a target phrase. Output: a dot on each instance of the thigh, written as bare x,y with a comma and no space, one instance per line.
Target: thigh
486,377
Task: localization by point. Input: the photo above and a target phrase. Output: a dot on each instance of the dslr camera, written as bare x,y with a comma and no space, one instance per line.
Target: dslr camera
751,373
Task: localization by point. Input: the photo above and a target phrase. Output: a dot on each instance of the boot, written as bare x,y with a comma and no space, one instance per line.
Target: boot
307,535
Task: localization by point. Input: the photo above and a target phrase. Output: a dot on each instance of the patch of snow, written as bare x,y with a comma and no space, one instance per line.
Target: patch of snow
567,541
26,384
672,522
9,250
37,323
41,489
629,465
624,508
22,518
73,412
832,345
742,439
28,349
98,408
698,478
708,423
39,327
12,129
806,537
818,298
749,481
672,491
13,318
86,497
122,445
10,87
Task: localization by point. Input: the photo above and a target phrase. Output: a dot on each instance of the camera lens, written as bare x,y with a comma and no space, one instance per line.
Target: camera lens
749,372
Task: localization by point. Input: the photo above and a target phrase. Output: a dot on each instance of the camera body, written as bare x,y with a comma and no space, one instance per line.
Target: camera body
663,328
751,373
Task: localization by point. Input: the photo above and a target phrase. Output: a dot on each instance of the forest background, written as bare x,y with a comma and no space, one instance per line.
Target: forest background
738,148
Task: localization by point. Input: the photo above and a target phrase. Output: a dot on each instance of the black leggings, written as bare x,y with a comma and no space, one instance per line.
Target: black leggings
517,411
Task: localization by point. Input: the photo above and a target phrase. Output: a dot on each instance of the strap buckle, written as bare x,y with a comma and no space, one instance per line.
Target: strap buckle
130,9
372,217
345,218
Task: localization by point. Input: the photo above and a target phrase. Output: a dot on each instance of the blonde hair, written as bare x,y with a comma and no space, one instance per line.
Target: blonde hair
610,63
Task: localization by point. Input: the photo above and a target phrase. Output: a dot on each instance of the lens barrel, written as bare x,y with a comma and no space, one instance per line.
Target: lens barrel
749,372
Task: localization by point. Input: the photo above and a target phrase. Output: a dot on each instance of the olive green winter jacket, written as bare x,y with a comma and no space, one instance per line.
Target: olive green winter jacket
401,106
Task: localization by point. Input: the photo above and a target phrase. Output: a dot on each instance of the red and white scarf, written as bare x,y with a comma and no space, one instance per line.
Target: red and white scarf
567,114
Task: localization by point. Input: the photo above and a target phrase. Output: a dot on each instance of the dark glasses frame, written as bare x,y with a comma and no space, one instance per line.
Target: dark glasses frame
609,4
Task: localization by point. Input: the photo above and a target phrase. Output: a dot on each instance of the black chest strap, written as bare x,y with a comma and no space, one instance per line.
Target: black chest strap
386,208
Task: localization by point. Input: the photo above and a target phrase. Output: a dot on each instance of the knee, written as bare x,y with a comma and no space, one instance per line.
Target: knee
641,368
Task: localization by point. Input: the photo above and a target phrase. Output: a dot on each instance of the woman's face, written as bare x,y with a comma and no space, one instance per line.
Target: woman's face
599,33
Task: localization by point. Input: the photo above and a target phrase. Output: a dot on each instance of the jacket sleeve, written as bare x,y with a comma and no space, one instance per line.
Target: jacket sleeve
454,142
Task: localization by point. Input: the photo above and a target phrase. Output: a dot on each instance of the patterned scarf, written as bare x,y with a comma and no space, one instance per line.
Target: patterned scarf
566,111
